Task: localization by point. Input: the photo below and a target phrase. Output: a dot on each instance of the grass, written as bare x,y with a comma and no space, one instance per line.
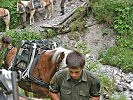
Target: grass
118,14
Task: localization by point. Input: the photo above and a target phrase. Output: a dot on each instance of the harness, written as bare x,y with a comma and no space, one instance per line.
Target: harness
36,4
28,54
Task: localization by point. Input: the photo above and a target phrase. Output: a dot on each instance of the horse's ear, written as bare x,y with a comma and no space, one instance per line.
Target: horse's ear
60,58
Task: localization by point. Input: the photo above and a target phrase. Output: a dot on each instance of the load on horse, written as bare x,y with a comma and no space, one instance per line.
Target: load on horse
5,15
44,65
31,6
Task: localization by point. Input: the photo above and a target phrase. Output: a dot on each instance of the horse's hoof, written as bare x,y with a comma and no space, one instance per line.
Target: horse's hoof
62,13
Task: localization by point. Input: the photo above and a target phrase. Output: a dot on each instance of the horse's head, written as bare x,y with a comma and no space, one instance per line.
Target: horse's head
20,7
60,57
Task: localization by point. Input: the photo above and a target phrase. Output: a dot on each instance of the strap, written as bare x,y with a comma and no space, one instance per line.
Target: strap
27,71
39,67
34,79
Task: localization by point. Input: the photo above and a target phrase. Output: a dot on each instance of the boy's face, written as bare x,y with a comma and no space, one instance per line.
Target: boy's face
75,73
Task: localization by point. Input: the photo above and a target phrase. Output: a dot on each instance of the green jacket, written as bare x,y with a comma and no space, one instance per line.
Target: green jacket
82,89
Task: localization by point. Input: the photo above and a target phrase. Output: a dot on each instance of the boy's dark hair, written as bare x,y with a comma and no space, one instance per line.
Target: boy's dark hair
75,59
6,39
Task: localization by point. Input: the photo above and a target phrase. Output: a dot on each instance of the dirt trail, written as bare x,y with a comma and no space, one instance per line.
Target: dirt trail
56,16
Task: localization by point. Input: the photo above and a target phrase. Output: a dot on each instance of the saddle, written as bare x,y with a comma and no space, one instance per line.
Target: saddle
36,4
27,52
26,58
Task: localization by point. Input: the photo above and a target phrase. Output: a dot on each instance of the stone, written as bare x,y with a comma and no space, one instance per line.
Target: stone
119,88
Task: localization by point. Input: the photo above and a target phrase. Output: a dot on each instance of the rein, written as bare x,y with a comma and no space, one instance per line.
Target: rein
34,79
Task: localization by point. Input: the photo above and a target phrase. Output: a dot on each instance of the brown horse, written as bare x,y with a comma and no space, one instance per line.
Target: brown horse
23,5
50,62
5,15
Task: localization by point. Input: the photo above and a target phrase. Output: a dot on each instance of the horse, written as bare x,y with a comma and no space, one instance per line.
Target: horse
5,15
23,5
50,62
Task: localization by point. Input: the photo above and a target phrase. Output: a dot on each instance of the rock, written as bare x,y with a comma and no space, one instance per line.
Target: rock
119,88
105,95
131,84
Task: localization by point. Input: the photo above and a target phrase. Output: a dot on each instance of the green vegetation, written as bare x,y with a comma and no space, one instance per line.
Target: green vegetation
106,84
82,47
25,35
120,97
118,14
51,33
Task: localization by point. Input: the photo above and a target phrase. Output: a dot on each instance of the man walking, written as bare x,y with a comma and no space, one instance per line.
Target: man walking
74,82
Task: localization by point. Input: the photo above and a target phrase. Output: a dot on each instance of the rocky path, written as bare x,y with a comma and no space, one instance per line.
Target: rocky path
56,16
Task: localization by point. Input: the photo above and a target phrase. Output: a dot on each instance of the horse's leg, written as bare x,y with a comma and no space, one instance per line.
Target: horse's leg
46,15
32,17
50,9
6,20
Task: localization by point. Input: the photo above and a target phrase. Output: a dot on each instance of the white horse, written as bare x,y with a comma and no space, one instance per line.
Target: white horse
22,5
5,15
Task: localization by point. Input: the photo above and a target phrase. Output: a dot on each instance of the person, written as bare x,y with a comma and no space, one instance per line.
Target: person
74,82
62,6
5,41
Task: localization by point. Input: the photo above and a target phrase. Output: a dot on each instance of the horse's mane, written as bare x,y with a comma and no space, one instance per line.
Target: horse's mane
59,50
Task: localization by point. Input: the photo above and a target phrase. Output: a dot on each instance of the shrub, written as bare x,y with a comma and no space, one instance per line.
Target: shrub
26,35
120,57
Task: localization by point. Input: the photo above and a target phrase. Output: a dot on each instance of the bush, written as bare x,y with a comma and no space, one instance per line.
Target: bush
26,35
120,57
117,13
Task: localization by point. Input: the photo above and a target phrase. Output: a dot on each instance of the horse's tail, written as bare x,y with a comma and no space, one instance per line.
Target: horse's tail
8,14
